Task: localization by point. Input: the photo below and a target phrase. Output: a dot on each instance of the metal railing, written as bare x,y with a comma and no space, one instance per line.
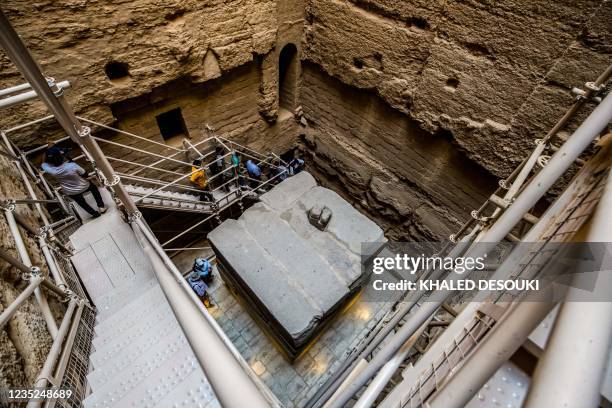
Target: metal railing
510,204
62,282
219,359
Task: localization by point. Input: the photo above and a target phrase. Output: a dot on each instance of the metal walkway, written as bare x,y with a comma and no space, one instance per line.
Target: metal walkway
141,356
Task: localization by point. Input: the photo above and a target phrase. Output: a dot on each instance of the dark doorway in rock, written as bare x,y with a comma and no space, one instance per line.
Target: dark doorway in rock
172,126
288,71
117,70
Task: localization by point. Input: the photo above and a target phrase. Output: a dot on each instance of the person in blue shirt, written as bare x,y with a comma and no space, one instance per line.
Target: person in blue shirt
254,173
199,279
253,169
69,175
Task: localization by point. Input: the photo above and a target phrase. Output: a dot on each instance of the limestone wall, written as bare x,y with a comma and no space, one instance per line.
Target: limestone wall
415,184
495,74
440,80
190,43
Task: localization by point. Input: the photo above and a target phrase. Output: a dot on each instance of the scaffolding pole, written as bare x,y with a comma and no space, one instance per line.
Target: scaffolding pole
25,259
529,196
582,330
53,96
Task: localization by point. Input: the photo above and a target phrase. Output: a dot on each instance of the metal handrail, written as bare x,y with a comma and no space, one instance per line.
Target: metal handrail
165,146
99,139
27,124
148,166
239,195
181,178
177,199
197,224
219,359
173,155
147,180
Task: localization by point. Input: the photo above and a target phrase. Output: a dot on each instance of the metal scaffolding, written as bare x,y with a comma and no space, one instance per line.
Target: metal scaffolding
364,376
521,191
218,357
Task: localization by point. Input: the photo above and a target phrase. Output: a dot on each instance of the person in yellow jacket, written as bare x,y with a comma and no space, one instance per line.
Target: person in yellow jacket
199,179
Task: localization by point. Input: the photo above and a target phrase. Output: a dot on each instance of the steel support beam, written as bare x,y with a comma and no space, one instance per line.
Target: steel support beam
582,330
541,183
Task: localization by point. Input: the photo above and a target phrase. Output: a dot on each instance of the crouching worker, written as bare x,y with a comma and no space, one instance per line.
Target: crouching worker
69,175
198,178
199,279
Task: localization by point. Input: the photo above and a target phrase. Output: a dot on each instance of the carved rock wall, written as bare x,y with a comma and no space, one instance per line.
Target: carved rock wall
476,78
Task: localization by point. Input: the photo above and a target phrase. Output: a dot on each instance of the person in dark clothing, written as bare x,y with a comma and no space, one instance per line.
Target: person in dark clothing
199,279
70,177
296,165
279,171
218,167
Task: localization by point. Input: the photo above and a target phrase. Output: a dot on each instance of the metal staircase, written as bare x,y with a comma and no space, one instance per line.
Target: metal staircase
171,200
154,342
142,358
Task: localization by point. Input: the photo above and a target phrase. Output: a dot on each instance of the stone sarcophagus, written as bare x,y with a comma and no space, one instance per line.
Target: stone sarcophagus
295,258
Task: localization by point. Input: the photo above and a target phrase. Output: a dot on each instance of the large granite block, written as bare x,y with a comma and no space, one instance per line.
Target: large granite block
292,275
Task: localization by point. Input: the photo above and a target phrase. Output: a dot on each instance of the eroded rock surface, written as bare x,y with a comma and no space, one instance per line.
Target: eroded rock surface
439,82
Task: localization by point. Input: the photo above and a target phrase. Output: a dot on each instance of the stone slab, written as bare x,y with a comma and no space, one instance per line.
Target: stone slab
293,275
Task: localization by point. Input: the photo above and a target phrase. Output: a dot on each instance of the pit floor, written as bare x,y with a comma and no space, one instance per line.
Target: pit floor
293,384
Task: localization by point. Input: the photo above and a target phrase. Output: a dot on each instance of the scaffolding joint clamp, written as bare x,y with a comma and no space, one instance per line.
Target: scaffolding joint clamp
135,216
8,205
35,271
595,88
84,131
475,215
42,232
543,160
116,180
57,90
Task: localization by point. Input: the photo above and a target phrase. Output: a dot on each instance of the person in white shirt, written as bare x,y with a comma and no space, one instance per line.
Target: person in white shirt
70,177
